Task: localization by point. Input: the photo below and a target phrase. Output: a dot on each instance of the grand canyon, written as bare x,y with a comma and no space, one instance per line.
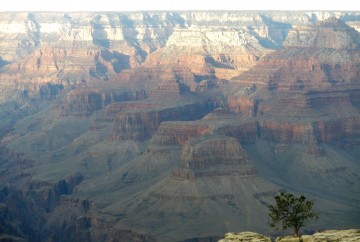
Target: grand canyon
175,126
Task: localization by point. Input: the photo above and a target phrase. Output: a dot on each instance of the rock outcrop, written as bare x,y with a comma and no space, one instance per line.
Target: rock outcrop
82,102
137,124
328,235
213,156
245,236
206,52
331,33
177,133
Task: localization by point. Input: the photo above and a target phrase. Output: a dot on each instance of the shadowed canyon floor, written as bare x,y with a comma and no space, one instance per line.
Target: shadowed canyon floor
167,126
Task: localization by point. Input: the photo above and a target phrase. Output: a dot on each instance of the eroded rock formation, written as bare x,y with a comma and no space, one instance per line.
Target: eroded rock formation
212,156
182,125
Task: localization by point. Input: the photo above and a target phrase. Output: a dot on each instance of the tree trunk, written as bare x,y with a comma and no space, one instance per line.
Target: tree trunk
296,232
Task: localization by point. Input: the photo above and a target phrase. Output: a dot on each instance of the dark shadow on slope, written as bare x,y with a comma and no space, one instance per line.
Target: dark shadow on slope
119,61
129,31
277,33
34,34
99,34
3,62
224,63
50,91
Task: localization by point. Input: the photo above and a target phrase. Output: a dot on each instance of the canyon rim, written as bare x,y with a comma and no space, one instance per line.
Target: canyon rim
167,126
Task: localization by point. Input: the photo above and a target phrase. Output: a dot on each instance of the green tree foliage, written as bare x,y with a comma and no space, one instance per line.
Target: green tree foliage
291,212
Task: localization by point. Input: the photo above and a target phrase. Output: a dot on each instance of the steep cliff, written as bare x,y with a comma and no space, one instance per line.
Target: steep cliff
76,48
318,56
295,90
212,156
141,124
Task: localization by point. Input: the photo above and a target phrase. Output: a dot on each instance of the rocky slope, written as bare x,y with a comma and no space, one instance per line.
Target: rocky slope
169,126
328,235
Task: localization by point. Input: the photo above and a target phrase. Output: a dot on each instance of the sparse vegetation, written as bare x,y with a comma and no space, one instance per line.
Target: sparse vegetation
291,211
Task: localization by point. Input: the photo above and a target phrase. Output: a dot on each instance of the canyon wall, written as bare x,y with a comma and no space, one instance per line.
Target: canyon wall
174,125
72,49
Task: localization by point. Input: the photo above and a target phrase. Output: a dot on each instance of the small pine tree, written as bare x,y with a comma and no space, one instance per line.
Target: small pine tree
291,212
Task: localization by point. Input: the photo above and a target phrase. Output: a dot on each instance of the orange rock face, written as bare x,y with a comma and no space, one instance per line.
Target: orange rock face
141,124
298,90
86,101
243,105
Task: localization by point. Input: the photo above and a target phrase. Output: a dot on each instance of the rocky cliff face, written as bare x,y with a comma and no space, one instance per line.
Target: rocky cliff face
88,101
332,34
142,124
212,156
175,124
292,83
73,48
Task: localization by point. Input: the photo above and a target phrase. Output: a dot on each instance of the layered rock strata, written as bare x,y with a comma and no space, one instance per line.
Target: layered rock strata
212,156
87,101
76,48
141,125
133,114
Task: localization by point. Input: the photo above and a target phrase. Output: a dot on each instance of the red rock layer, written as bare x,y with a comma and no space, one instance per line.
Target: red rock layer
86,101
141,125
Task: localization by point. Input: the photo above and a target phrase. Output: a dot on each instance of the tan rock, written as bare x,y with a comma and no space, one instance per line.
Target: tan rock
245,236
336,235
288,239
328,236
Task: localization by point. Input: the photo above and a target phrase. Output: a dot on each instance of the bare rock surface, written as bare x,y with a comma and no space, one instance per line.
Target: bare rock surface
337,235
328,235
245,236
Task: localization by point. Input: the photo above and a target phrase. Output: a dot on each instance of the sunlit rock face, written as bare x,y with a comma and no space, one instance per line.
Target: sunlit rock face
317,67
71,49
245,236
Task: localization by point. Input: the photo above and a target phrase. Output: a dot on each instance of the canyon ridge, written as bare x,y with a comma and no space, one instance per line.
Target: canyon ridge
175,126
